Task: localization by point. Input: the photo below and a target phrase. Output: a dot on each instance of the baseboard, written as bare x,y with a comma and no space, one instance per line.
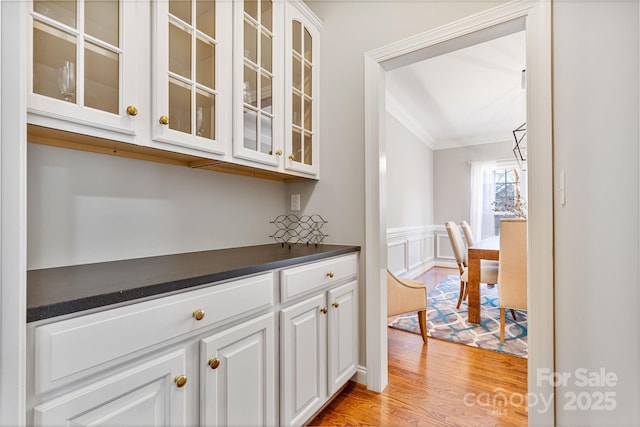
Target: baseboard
360,376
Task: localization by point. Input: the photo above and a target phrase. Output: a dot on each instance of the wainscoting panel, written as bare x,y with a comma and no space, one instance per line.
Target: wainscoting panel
413,250
416,255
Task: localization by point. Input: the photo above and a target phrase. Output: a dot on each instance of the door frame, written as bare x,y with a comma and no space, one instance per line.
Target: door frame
534,17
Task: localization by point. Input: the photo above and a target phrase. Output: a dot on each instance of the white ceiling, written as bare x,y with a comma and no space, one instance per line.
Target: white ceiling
466,97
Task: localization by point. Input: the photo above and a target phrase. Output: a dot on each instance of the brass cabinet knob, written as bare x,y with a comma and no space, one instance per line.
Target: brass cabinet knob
132,111
198,314
330,275
336,304
292,157
214,363
323,310
278,152
164,120
180,380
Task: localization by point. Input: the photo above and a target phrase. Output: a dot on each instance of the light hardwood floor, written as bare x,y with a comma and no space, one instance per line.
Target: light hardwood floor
438,384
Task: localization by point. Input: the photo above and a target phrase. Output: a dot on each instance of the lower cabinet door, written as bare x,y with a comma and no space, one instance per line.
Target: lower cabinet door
303,360
151,394
238,375
342,335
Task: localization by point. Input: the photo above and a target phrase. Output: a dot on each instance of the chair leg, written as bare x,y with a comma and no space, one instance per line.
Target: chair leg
502,319
513,313
463,293
422,321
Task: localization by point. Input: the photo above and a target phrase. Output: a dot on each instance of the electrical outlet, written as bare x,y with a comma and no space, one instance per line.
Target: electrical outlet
295,202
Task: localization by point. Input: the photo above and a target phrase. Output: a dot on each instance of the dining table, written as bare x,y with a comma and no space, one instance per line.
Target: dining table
485,249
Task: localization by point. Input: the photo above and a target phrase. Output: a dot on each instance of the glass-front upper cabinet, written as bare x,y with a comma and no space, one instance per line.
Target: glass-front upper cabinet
82,66
302,53
192,74
258,103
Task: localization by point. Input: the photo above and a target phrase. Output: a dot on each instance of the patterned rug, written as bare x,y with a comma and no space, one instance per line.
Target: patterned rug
446,323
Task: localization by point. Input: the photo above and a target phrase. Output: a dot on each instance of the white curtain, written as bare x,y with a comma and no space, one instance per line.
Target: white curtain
482,195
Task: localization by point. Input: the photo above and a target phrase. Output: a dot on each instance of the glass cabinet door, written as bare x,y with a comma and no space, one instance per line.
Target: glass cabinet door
302,111
192,73
258,97
79,68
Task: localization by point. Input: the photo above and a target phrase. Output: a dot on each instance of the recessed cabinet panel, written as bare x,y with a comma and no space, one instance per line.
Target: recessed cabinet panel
192,92
342,335
303,336
238,375
80,72
145,395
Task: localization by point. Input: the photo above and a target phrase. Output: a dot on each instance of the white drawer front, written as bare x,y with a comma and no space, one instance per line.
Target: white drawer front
69,347
300,280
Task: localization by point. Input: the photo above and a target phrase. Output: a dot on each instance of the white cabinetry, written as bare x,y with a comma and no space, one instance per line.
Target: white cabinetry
318,336
238,375
84,66
302,77
207,356
211,84
192,79
111,365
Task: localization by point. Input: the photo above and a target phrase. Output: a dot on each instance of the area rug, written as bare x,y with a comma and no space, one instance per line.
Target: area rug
445,322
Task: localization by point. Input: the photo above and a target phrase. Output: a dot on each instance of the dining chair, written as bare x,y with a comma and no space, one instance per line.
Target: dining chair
512,271
468,235
406,296
488,271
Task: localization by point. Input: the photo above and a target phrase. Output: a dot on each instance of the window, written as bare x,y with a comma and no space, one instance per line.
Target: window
498,190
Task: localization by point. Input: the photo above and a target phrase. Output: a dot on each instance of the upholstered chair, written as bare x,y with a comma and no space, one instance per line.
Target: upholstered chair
512,271
406,296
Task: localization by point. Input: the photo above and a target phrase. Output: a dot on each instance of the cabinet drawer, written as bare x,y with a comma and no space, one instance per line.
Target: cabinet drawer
300,280
64,350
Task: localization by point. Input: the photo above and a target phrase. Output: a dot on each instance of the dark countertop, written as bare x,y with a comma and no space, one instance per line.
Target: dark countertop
63,290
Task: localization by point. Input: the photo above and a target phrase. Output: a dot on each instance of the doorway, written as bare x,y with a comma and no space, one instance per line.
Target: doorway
534,19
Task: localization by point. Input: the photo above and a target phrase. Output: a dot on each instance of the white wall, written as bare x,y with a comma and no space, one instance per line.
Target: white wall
596,234
85,207
409,178
451,177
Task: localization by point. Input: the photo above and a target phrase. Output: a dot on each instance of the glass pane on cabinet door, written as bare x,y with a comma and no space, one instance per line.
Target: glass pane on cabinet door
308,125
206,17
308,152
307,45
250,42
179,106
296,43
179,51
266,16
250,86
62,11
250,129
266,125
296,69
54,60
266,55
181,9
251,8
205,114
101,78
307,80
102,20
205,63
296,144
296,111
266,89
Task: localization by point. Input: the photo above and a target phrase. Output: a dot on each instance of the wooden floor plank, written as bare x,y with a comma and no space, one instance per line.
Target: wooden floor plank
442,383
